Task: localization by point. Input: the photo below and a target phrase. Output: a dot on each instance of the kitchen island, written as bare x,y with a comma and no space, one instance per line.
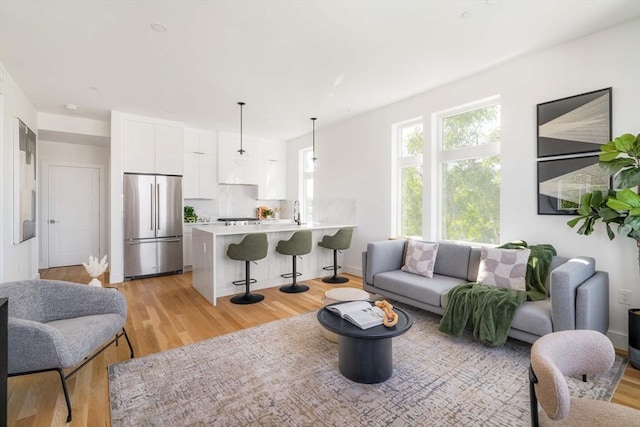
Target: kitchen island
214,272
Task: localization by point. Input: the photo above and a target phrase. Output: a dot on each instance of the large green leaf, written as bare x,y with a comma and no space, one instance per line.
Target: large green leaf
618,205
629,197
608,156
608,214
610,232
572,223
613,166
628,178
625,142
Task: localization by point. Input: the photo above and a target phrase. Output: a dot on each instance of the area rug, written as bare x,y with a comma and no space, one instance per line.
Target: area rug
285,373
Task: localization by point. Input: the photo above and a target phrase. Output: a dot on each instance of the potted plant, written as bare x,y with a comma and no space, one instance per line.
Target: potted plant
620,158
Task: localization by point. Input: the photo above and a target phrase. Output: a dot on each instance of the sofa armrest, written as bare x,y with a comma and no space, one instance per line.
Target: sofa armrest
32,346
592,303
386,255
563,284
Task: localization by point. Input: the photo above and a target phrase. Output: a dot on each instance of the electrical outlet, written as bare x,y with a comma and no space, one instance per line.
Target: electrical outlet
624,297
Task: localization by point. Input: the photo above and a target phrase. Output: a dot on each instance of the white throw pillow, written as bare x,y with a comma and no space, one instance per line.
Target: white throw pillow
505,268
420,258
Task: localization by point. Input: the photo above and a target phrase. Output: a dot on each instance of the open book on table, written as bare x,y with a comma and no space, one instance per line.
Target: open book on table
360,313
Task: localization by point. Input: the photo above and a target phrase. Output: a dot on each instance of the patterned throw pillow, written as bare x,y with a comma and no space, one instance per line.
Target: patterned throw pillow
505,268
420,258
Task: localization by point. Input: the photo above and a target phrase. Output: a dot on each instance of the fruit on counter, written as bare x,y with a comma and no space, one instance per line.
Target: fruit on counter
190,214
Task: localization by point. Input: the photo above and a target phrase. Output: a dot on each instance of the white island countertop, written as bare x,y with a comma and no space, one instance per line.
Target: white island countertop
227,230
214,272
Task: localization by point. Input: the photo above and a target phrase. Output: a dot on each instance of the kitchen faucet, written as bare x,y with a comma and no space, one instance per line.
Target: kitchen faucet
296,212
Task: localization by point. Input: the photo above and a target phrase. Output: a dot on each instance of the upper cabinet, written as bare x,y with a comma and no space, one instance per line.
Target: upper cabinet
233,169
200,165
152,146
272,184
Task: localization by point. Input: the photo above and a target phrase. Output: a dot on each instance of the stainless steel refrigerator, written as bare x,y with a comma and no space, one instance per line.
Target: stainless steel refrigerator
152,225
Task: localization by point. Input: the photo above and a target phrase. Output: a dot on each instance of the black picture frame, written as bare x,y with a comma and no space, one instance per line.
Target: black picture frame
574,125
562,182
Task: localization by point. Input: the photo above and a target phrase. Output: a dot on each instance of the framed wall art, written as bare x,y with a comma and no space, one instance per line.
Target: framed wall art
562,182
25,188
575,125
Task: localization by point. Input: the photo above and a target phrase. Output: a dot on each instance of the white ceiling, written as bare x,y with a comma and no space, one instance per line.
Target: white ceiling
288,60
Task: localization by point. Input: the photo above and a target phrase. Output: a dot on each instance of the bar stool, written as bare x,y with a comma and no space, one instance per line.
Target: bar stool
299,244
339,241
252,248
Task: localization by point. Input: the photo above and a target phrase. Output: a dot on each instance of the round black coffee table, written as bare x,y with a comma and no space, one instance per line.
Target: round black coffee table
365,355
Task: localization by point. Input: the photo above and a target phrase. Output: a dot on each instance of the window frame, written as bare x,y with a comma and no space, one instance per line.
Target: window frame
399,162
441,156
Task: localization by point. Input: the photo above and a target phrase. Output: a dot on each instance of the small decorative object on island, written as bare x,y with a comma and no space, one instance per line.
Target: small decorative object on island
95,269
390,316
621,159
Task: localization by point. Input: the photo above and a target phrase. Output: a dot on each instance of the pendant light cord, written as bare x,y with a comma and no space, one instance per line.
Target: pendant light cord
313,120
241,151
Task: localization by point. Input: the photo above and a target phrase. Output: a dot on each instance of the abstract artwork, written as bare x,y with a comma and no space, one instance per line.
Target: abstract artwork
562,182
574,125
24,176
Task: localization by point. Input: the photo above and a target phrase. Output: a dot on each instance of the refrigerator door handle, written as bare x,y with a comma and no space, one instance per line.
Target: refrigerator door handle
139,242
151,210
158,205
175,239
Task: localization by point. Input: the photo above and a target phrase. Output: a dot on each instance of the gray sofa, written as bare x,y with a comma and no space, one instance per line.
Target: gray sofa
579,294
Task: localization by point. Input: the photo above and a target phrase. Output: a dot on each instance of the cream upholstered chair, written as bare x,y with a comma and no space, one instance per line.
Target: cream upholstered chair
573,352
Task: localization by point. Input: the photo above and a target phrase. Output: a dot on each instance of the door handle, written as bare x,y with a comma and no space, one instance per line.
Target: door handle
53,221
151,210
158,206
169,240
139,242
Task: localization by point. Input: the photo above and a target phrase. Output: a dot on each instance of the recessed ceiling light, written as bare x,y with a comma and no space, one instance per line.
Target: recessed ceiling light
159,27
71,107
466,14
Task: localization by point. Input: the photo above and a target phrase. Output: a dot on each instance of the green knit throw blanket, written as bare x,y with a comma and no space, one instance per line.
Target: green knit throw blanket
488,309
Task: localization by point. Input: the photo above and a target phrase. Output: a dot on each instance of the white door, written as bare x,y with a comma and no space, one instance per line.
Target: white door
74,214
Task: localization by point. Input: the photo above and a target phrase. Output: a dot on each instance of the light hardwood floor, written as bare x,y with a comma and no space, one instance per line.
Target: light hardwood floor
166,312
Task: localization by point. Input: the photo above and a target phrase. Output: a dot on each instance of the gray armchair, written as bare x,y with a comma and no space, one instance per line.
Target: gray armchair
55,325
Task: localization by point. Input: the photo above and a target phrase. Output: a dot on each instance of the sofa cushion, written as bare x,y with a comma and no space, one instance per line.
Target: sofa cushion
420,258
534,317
419,288
452,260
505,268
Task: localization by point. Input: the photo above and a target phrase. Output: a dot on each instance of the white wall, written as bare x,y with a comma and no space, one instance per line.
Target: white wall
61,153
19,261
355,154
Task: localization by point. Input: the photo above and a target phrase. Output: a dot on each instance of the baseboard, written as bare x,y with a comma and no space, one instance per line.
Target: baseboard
618,339
352,270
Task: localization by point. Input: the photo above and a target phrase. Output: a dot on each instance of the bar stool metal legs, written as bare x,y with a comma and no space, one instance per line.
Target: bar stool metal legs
252,248
339,241
247,297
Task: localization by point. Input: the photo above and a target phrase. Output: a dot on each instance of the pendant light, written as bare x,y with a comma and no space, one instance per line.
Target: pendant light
241,156
313,120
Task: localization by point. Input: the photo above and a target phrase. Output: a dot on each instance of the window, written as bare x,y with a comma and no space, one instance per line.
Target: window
305,192
408,147
468,161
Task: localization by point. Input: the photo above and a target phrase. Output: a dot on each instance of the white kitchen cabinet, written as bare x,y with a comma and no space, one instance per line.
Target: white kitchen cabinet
152,146
169,149
138,146
272,184
231,171
200,166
